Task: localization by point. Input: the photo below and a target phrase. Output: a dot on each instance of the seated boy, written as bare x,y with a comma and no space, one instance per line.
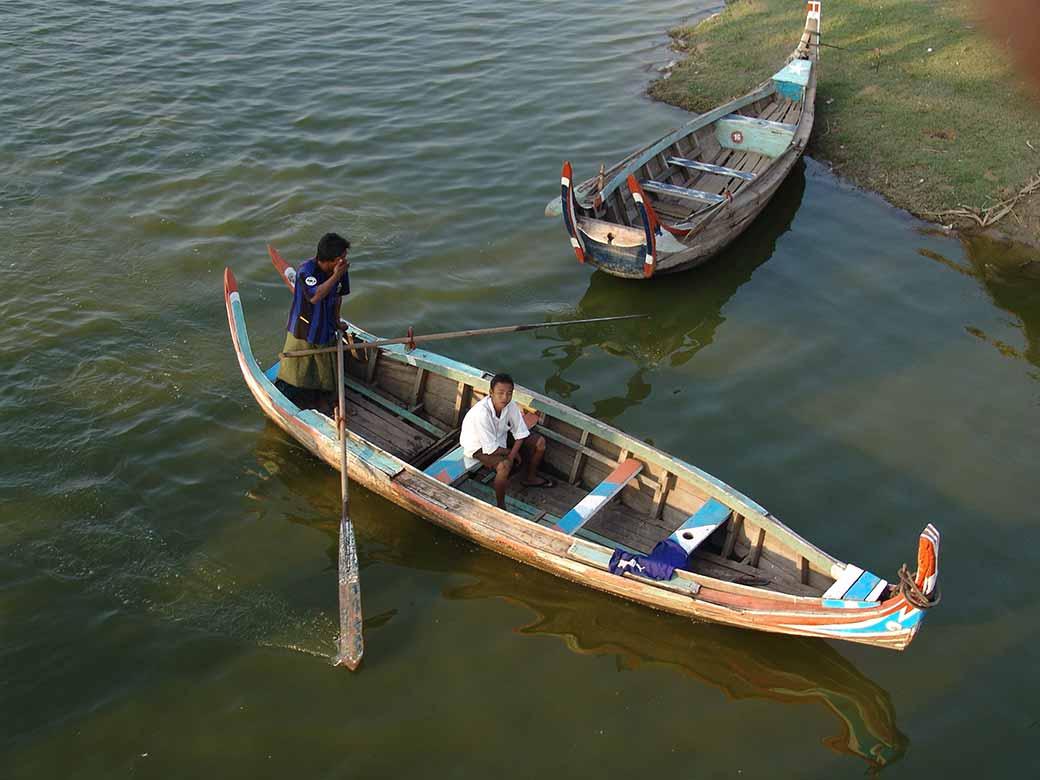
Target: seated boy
494,433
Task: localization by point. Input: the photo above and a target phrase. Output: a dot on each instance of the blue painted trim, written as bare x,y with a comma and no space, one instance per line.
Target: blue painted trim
861,587
712,513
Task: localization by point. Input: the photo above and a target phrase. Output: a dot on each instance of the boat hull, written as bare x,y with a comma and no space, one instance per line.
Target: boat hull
892,623
597,212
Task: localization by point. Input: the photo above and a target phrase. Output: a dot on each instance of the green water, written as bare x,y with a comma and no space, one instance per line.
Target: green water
167,577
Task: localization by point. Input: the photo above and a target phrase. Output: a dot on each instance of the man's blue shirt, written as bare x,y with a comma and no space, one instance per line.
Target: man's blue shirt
314,322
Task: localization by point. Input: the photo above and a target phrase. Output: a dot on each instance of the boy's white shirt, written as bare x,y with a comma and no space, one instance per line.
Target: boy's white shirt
483,430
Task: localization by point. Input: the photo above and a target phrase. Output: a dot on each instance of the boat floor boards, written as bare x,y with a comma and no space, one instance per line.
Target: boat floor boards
786,111
614,522
385,429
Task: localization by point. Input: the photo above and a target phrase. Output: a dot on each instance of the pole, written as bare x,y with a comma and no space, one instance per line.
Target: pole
458,334
351,640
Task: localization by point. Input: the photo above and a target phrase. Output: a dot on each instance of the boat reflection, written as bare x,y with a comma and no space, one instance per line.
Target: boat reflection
1010,275
743,665
686,309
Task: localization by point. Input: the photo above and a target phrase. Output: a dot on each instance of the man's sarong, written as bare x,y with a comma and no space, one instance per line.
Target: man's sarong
312,372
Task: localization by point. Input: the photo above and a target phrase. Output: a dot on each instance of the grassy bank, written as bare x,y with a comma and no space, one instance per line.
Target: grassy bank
919,104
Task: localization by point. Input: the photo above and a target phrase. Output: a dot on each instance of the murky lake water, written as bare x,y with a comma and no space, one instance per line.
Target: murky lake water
167,582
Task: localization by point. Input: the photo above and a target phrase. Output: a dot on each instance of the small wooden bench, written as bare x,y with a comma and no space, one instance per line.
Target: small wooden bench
750,134
683,193
452,467
697,165
700,525
855,584
791,80
600,496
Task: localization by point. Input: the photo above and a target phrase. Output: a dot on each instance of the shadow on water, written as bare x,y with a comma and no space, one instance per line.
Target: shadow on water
1010,275
742,665
685,309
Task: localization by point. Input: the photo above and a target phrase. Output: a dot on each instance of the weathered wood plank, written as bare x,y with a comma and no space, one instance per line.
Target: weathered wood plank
420,383
578,457
731,536
426,425
756,553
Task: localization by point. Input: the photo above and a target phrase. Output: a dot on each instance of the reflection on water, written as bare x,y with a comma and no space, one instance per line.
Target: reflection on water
685,309
1010,275
743,665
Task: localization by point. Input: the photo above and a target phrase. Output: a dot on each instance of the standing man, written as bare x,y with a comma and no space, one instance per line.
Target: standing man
321,283
494,433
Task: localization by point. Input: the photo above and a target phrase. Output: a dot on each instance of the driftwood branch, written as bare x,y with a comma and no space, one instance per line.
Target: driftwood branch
990,216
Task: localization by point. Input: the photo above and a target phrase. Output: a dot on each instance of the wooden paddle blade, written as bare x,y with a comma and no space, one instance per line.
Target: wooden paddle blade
351,638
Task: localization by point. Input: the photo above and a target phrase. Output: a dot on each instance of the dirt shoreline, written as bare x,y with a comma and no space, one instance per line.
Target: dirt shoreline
915,102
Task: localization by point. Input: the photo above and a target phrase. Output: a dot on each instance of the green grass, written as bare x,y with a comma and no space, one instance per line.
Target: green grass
929,130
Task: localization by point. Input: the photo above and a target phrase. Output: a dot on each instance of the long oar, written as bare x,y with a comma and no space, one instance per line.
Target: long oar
351,641
458,334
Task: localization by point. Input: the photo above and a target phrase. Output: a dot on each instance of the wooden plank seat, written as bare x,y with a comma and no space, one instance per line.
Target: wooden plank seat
754,121
597,556
855,584
751,134
683,193
700,525
721,170
452,467
600,496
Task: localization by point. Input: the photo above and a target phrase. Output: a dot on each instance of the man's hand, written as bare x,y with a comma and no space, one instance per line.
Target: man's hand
340,268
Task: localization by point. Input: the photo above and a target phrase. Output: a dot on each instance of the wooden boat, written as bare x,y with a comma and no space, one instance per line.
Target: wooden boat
747,569
678,201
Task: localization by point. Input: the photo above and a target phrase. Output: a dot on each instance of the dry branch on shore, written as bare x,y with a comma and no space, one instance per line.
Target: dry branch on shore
991,216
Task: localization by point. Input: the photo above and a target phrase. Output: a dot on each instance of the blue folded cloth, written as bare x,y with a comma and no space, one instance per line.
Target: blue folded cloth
660,564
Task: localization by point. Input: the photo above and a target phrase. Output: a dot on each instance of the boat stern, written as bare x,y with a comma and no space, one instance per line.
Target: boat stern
570,212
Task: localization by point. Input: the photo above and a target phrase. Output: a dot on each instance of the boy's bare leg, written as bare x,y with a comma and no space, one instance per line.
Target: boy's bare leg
533,448
501,467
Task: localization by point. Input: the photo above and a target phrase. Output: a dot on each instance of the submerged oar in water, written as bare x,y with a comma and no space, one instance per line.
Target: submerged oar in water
411,340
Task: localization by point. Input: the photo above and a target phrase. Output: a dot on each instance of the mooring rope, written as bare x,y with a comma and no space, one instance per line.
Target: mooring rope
913,594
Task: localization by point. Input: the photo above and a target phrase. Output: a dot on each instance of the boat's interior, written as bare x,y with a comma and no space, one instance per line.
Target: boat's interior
700,170
415,413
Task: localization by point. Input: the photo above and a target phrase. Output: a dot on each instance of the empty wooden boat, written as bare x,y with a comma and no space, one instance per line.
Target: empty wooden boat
614,492
679,200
